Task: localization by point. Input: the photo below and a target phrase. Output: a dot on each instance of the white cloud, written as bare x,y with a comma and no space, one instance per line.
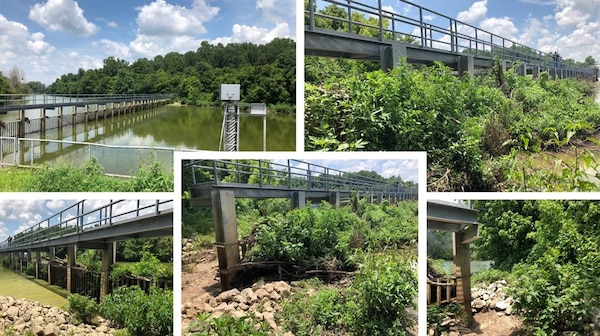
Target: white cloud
113,48
254,34
150,46
573,12
152,18
55,204
277,11
389,9
501,26
18,44
539,2
157,36
475,13
62,15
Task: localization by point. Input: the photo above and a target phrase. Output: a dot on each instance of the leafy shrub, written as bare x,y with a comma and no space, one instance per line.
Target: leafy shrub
304,314
227,325
551,298
303,236
375,303
141,314
30,270
153,178
82,307
383,290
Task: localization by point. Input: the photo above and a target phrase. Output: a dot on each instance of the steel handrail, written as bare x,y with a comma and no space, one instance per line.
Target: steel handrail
313,177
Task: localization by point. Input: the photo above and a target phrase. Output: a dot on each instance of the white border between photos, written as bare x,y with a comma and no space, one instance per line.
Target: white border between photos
421,158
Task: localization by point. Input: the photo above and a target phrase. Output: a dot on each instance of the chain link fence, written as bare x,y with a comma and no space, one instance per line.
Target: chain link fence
116,160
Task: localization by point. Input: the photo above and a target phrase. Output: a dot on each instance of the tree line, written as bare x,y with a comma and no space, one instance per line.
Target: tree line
266,73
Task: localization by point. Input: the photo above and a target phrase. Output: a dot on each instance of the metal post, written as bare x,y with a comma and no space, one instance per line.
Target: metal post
311,15
349,17
380,22
421,26
265,133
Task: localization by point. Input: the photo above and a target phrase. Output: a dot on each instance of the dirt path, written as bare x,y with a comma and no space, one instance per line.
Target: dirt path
203,278
490,324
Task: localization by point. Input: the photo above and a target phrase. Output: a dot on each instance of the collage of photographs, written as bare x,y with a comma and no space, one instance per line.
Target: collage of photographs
325,167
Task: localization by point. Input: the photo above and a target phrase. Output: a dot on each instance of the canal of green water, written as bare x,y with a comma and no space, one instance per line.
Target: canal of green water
19,287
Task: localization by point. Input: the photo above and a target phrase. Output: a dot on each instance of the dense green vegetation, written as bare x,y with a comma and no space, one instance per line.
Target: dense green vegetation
267,73
481,134
551,250
88,177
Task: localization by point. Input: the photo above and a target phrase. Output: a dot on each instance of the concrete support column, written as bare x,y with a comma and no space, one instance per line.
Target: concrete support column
298,199
535,71
51,255
59,111
334,198
228,247
390,56
70,265
466,64
462,270
108,257
522,69
38,260
42,121
21,260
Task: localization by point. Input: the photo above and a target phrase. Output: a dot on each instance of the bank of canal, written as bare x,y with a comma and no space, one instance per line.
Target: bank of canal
19,287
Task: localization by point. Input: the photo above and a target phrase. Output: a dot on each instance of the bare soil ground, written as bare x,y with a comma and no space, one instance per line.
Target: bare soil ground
490,324
203,278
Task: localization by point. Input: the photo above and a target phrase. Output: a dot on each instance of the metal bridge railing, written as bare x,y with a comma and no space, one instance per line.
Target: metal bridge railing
116,160
77,218
294,175
20,101
426,28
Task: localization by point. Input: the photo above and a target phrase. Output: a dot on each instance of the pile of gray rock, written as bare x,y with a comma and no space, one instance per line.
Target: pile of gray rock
262,300
23,316
493,298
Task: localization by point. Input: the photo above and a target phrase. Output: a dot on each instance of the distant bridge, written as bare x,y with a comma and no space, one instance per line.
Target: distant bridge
69,109
458,45
297,180
98,228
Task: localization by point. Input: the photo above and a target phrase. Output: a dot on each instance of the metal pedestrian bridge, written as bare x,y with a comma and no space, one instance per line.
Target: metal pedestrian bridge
91,228
292,179
17,102
421,36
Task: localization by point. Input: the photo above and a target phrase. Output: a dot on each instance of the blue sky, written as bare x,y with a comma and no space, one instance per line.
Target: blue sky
405,168
49,38
17,215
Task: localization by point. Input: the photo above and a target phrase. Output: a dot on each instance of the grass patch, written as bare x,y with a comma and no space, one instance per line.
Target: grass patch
88,177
